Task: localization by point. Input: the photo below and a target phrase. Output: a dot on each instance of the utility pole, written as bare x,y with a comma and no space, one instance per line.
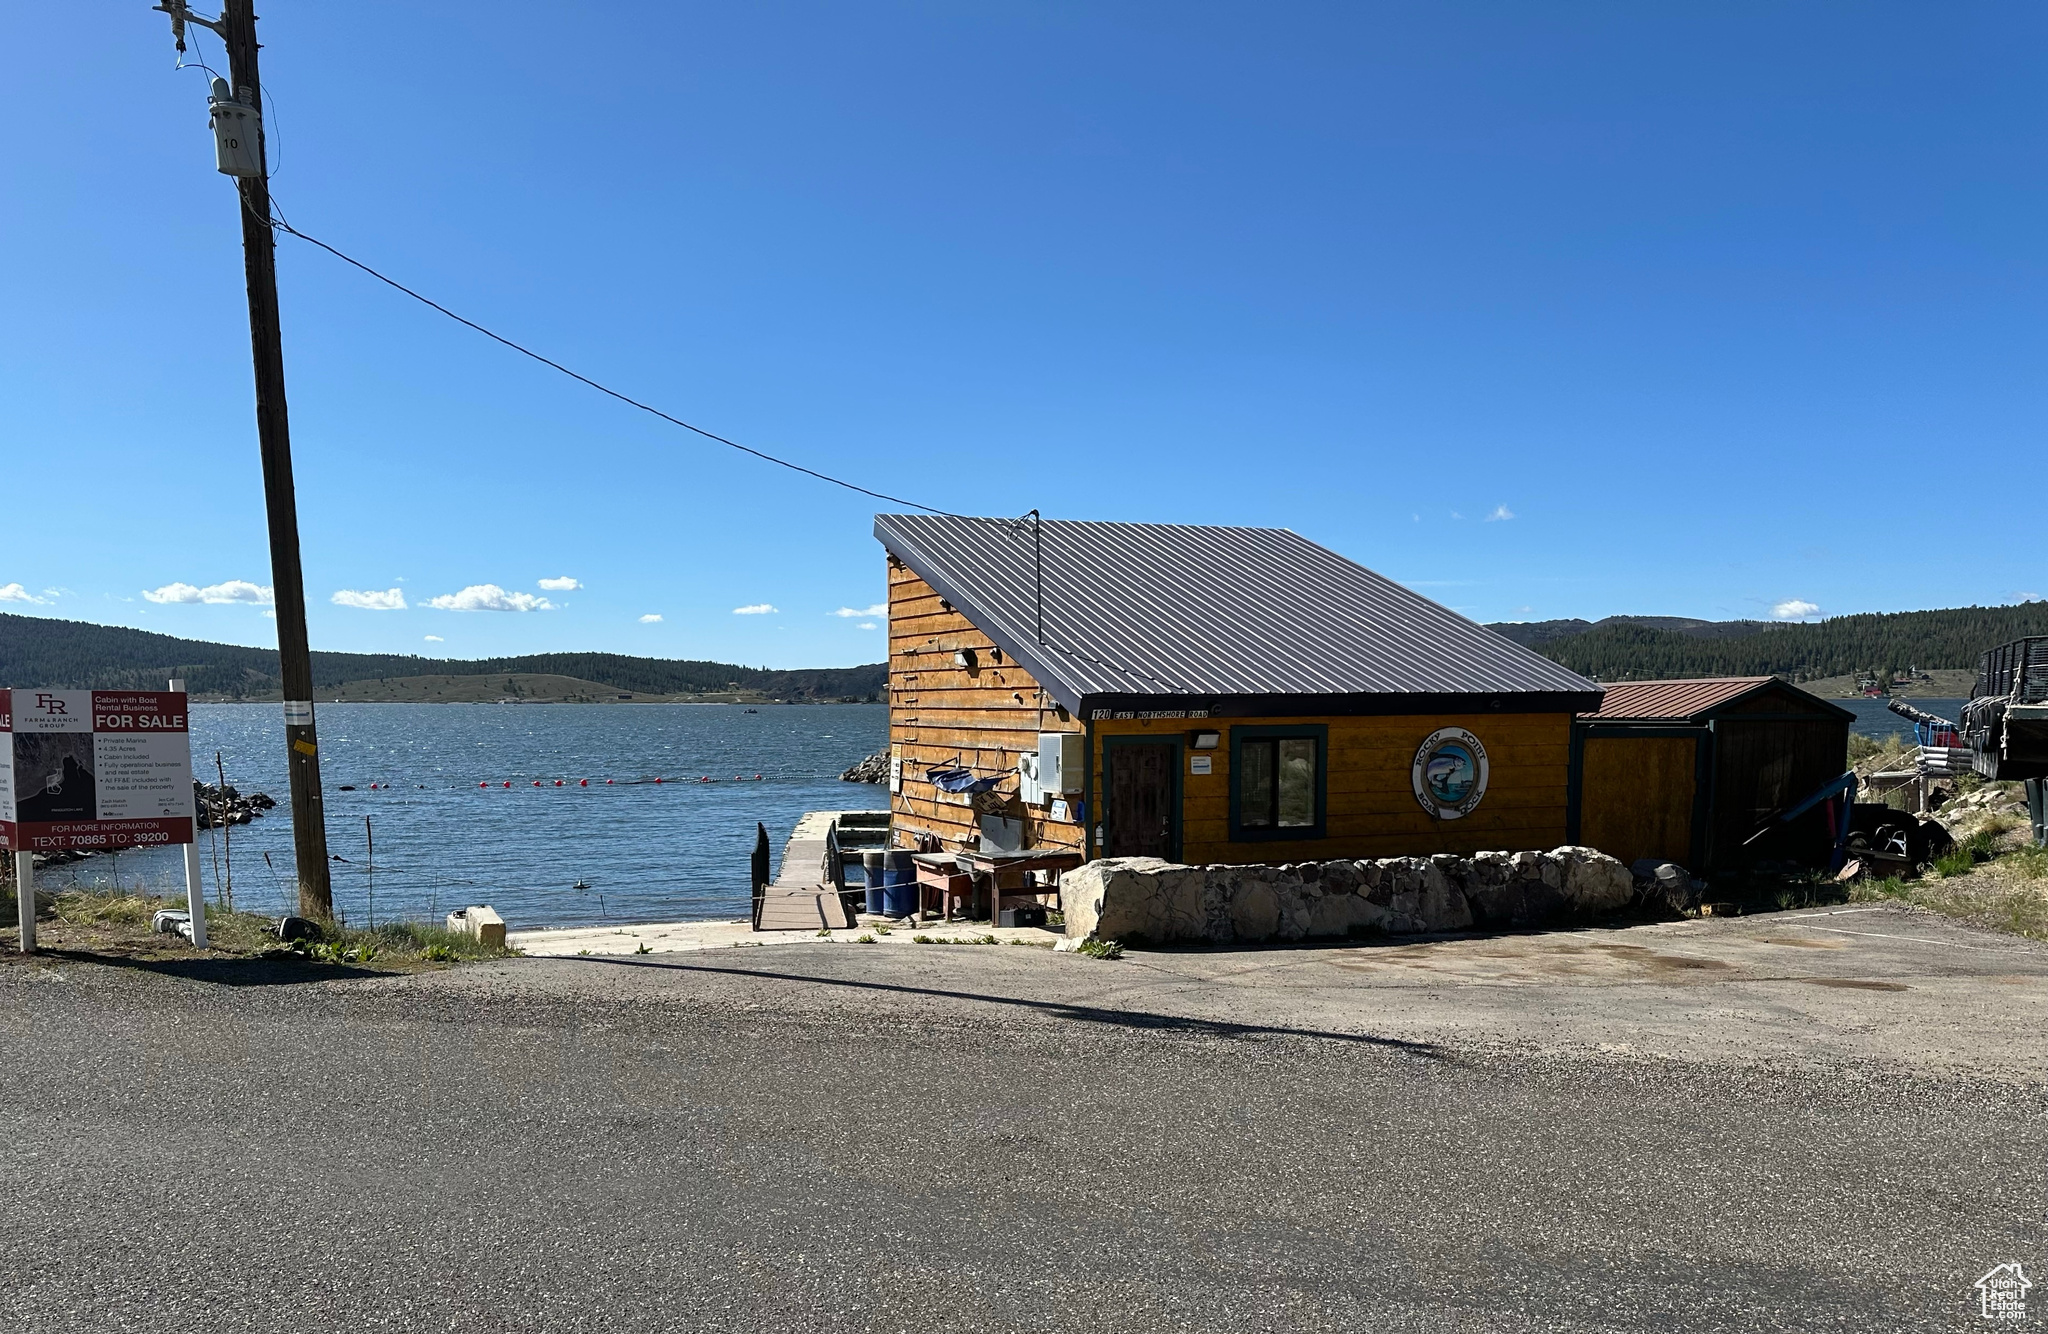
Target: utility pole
236,28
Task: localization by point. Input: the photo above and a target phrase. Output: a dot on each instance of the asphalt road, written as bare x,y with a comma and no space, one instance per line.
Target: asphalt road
834,1137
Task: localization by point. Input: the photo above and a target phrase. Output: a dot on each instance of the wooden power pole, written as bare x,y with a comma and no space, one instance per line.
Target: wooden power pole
237,29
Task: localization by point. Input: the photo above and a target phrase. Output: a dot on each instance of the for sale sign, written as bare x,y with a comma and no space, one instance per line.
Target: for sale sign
94,769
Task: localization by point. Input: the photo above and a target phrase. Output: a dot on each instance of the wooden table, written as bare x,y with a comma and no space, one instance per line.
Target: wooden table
957,875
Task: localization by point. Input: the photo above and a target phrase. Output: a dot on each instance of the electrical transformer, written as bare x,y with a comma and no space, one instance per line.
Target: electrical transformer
237,134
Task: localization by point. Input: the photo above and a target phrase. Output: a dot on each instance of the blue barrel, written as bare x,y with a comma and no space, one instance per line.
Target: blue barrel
899,885
873,868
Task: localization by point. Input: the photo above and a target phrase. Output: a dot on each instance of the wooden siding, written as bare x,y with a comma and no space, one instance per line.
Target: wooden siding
1636,796
1372,810
940,713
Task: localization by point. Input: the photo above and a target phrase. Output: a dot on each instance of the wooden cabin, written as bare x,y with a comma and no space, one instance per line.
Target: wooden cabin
1204,695
1687,771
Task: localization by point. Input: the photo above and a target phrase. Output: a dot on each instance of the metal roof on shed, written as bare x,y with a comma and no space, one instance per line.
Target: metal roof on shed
1684,701
1150,610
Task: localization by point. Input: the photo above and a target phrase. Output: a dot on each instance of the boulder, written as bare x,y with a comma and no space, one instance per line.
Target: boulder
1665,885
1593,881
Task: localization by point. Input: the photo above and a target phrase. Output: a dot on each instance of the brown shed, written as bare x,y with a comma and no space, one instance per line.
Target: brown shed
1688,771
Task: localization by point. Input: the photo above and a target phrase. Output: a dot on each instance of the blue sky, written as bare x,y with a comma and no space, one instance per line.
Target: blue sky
1722,304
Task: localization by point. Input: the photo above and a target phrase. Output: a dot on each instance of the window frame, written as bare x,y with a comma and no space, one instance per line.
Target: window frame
1242,833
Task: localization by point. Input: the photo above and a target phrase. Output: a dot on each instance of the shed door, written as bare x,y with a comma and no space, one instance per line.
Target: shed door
1636,796
1141,813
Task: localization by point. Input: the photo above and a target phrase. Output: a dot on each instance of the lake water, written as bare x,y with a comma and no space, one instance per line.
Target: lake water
1874,719
650,852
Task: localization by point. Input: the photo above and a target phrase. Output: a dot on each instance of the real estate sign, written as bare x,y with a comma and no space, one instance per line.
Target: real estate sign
94,769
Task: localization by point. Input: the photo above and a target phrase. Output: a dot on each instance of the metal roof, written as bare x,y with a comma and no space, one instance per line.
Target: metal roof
1142,610
1685,701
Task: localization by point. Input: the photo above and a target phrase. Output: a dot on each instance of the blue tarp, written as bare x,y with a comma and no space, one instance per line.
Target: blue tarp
956,779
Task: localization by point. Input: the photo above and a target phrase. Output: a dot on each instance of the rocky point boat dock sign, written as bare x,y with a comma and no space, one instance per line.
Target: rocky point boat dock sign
94,769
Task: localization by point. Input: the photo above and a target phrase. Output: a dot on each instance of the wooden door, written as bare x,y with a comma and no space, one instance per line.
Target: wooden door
1143,818
1636,797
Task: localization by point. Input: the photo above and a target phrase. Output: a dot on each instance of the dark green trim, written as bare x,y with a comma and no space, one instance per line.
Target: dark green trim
1110,744
1574,776
1320,732
1089,817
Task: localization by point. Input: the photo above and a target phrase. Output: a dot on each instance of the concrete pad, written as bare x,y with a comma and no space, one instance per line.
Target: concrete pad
669,937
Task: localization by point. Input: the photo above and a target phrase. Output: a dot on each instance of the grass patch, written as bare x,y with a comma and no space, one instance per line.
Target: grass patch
117,921
1101,949
2015,903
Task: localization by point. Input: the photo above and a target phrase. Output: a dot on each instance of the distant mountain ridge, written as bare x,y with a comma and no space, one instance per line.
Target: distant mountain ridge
1531,634
1641,648
38,651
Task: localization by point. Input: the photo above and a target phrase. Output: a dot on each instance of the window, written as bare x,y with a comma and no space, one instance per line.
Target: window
1278,784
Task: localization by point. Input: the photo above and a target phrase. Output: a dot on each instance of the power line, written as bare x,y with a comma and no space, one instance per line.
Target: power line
1014,526
281,225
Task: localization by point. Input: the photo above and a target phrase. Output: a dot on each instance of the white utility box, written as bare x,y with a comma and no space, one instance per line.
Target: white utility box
1062,762
1028,790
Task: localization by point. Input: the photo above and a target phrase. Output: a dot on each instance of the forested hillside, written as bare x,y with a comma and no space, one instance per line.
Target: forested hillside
36,651
1623,649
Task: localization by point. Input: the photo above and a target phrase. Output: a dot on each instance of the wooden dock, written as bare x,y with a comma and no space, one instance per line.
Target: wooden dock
802,898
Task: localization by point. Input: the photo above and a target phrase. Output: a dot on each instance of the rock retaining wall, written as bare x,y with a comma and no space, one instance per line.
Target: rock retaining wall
1143,898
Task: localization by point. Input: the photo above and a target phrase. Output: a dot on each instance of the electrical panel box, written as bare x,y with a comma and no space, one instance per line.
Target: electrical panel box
1062,761
237,134
1029,790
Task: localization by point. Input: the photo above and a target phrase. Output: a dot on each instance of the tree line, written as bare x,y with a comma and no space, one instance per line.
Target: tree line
36,651
1883,643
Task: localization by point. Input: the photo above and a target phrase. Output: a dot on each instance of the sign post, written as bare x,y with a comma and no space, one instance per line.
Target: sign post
195,893
91,770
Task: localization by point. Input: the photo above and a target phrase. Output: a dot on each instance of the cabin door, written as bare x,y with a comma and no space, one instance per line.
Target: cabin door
1143,810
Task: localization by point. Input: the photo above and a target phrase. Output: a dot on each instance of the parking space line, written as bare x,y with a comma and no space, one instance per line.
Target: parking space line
1918,940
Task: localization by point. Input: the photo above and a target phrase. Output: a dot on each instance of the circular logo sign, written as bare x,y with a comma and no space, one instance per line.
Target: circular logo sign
1450,773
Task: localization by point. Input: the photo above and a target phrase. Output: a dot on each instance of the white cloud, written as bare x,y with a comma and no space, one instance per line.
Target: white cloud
1456,515
1794,609
233,590
1500,512
865,625
879,609
16,593
755,609
435,639
651,618
489,597
561,584
369,599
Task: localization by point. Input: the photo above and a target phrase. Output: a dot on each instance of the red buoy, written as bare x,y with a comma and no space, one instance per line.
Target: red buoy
508,782
657,780
585,783
483,784
608,782
536,782
558,782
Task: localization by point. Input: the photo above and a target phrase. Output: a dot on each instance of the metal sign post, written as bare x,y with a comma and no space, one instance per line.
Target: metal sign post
195,894
25,895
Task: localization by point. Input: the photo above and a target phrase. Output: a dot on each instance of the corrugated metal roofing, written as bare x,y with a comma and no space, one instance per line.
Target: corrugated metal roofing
1144,609
1671,701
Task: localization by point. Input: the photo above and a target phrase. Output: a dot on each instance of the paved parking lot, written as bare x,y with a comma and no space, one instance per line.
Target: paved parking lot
1812,1121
